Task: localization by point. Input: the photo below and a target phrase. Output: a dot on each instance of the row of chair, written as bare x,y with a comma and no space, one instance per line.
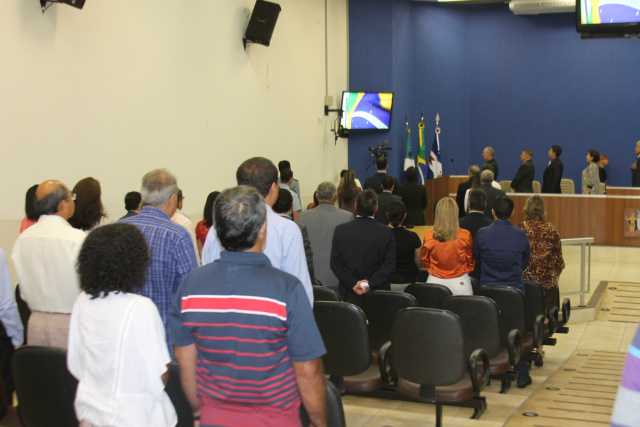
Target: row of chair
567,186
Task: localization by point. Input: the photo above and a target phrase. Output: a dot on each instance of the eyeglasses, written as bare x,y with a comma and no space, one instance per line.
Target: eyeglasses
72,196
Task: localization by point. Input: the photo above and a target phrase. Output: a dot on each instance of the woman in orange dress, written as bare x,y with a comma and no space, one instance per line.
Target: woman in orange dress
447,251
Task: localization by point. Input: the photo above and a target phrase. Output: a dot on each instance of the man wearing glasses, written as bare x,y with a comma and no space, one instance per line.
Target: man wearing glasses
45,260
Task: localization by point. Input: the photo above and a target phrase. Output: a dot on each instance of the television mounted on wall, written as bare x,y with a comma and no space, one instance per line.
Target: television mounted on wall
366,111
608,18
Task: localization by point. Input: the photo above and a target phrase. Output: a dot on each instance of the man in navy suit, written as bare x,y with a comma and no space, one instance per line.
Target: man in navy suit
363,252
475,220
523,181
374,182
552,175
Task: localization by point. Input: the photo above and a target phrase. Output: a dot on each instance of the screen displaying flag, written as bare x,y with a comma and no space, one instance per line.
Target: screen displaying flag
435,159
408,156
423,168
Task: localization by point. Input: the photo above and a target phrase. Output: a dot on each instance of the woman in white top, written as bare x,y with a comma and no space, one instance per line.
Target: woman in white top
117,346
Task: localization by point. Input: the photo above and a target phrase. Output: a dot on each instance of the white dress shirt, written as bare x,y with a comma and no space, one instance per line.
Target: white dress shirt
8,308
45,258
183,220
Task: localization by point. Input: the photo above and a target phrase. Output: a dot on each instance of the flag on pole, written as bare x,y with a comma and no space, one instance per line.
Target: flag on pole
408,156
435,159
422,158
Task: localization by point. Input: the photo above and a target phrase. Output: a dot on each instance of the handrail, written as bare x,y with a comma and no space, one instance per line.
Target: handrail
584,242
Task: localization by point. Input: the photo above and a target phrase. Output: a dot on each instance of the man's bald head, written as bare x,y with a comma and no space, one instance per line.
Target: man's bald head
54,198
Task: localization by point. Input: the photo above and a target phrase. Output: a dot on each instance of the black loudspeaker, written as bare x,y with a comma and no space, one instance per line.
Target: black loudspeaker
262,22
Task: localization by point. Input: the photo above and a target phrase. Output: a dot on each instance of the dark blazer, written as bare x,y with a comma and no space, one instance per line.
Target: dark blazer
492,193
523,181
462,190
130,213
552,176
384,201
494,164
362,249
472,222
414,196
635,174
374,182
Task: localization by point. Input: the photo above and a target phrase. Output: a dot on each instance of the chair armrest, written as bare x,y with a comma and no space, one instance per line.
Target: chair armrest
538,331
514,347
552,316
566,311
478,354
384,360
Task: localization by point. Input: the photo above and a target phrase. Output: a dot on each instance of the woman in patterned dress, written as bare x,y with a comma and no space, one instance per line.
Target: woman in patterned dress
546,261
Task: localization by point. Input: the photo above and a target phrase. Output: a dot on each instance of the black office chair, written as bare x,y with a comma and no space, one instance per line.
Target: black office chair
534,296
45,388
428,352
428,295
179,400
423,275
335,412
322,293
483,329
348,361
381,308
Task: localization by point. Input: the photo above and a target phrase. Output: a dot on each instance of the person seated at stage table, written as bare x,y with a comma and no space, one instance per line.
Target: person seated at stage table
408,248
447,251
591,174
546,262
414,197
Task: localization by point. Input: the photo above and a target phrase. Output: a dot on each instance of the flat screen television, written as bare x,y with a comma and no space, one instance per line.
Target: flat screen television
366,111
608,18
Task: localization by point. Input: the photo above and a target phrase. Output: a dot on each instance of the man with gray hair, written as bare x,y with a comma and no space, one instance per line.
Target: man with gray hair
172,254
488,156
45,258
321,222
486,181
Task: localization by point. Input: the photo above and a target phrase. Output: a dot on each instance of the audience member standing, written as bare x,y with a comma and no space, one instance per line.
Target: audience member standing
284,246
487,155
10,318
348,191
635,169
475,183
246,340
29,208
363,252
132,203
523,181
385,198
202,228
374,182
286,178
183,219
590,174
408,252
321,223
546,262
462,189
414,196
552,176
170,246
447,250
486,179
295,184
117,347
475,220
45,258
89,212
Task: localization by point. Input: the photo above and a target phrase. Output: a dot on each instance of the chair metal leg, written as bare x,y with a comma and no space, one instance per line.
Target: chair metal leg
438,415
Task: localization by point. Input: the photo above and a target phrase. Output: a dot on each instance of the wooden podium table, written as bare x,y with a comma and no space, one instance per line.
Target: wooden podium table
437,189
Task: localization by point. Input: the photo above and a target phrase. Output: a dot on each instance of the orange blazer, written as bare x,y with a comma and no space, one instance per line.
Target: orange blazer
447,260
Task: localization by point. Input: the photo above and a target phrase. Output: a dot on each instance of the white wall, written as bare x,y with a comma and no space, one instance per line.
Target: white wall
122,87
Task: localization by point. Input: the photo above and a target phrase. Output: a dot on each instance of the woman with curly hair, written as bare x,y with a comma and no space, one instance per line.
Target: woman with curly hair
89,213
117,346
447,251
546,262
202,228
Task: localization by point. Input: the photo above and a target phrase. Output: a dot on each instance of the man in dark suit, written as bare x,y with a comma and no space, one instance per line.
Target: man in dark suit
487,155
523,181
385,198
132,203
363,252
486,179
374,181
462,190
475,220
635,168
552,175
414,196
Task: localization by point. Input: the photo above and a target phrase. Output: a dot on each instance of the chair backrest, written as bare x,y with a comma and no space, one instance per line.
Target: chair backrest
481,319
428,295
321,293
179,400
343,327
602,187
512,305
381,308
567,186
335,412
423,275
506,185
45,388
537,188
534,297
428,346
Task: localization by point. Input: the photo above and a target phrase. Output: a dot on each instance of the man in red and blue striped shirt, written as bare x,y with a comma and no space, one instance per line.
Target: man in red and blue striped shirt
244,334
